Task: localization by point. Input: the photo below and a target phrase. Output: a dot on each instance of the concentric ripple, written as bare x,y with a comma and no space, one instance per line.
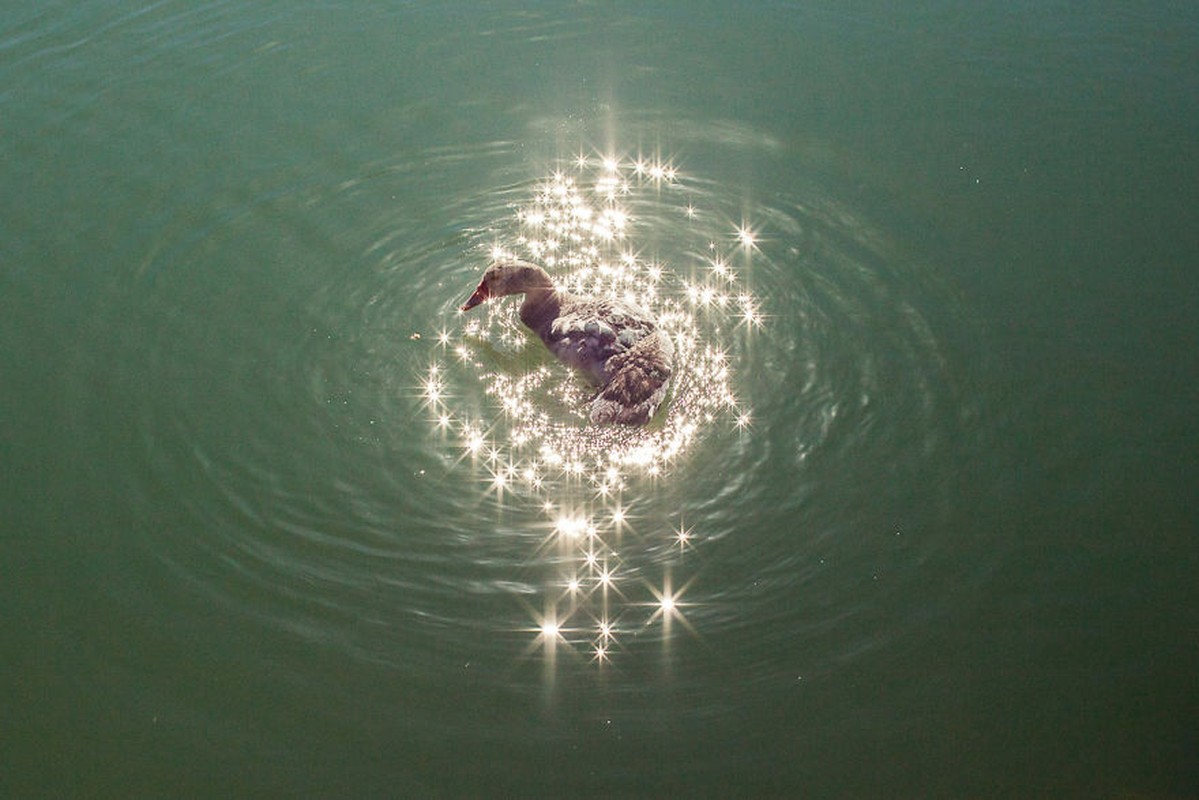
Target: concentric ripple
325,447
494,395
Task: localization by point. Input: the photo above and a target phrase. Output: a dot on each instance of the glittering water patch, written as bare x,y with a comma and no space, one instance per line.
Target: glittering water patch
494,393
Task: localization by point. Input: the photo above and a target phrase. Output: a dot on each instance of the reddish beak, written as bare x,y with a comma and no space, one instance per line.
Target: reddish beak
478,297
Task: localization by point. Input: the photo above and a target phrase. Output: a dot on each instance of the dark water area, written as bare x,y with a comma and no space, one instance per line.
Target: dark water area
918,518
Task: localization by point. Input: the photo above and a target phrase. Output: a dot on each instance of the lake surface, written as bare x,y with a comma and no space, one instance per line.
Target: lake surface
918,518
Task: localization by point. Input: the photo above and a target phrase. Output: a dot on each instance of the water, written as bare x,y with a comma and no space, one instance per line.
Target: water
917,520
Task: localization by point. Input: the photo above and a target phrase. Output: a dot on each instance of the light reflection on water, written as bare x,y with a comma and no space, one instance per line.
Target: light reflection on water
530,441
413,487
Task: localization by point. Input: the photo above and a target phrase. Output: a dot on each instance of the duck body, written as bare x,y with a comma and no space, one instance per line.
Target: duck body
617,346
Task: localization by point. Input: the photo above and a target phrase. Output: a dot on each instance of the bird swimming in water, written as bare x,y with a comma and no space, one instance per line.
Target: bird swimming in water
615,345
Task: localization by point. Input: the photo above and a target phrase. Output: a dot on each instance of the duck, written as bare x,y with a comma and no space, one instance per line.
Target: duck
616,346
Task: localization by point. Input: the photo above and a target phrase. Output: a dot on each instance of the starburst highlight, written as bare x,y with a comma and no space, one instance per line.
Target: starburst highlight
518,418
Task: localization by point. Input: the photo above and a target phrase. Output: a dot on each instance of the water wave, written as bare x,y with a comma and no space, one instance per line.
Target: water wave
371,471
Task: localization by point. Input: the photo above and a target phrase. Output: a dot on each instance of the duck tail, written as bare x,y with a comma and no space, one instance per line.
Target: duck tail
640,379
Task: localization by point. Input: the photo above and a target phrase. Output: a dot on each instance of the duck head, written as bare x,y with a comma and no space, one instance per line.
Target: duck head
503,278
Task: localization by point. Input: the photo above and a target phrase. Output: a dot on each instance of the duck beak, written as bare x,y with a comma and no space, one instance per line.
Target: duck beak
479,296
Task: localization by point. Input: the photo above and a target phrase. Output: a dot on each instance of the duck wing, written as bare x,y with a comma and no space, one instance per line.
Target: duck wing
639,379
589,334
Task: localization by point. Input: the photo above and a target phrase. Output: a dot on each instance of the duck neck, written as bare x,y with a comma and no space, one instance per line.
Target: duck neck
540,307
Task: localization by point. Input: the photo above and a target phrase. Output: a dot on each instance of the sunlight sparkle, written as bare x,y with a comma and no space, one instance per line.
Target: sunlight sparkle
517,419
